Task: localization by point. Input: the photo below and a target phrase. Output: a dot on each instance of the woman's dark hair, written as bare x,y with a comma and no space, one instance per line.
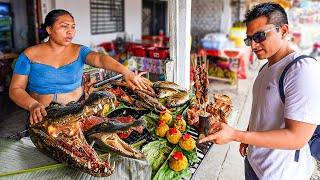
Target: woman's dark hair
274,12
50,19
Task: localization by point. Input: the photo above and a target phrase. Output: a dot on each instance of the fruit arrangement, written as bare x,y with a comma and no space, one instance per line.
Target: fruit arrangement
217,71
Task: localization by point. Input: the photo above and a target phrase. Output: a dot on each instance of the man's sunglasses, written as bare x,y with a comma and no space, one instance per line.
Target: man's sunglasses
259,36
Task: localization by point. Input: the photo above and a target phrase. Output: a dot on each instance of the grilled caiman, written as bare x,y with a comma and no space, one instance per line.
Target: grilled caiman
106,139
59,136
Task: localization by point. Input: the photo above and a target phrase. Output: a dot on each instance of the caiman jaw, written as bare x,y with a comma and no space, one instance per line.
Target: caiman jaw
66,143
112,142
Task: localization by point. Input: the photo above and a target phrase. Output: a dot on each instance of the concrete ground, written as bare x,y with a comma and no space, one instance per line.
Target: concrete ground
223,162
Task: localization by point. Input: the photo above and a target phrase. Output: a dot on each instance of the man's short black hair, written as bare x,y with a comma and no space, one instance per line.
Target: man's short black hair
274,12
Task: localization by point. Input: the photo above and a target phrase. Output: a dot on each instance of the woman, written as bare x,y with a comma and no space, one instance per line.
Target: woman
52,71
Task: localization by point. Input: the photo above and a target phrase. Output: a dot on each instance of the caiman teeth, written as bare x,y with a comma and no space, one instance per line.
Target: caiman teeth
91,145
89,165
96,170
99,105
109,157
113,166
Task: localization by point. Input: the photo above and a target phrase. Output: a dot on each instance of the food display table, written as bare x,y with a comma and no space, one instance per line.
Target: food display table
21,160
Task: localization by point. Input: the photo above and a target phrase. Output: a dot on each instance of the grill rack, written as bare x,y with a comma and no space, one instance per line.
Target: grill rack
202,149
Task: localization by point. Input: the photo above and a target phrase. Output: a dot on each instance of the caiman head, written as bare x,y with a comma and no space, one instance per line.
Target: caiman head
106,139
59,136
98,103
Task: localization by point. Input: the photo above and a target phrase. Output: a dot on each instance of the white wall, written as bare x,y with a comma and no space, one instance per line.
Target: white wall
133,18
46,7
81,14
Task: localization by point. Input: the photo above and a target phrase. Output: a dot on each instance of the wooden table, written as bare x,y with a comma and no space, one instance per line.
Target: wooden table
7,56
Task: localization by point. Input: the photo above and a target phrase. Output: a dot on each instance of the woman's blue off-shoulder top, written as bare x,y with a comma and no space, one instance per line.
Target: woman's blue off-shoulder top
46,79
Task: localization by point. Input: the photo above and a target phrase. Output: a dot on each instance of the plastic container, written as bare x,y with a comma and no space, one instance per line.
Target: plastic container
139,51
213,44
237,34
158,52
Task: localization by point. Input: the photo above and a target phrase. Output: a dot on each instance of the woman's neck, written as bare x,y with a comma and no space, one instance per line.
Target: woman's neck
57,48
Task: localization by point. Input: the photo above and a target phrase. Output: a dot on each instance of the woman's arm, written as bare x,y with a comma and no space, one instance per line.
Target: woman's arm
18,94
294,136
103,61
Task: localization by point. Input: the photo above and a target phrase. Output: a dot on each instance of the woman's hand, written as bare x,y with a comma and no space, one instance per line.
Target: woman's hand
224,136
135,80
243,149
37,111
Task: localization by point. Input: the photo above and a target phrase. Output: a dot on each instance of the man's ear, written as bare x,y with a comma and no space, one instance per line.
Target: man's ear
48,28
284,30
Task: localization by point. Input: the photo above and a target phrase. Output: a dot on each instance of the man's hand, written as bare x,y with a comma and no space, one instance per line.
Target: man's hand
243,149
224,136
37,111
135,80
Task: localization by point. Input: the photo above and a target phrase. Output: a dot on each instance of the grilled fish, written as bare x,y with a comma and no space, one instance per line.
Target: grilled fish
150,91
141,104
178,99
165,92
153,102
167,84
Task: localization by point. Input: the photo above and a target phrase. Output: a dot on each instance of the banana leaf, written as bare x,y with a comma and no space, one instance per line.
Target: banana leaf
21,160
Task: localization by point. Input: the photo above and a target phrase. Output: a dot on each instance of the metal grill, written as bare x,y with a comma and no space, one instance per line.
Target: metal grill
202,151
107,16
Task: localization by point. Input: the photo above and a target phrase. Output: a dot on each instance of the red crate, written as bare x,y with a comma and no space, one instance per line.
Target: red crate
139,51
158,52
108,46
131,45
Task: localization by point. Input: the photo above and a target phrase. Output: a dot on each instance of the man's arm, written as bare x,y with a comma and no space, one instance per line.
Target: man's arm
294,136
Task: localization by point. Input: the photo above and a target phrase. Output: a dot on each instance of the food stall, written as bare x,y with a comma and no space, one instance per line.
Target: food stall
153,148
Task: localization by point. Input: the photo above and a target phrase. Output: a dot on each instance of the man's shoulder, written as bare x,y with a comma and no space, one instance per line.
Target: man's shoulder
303,61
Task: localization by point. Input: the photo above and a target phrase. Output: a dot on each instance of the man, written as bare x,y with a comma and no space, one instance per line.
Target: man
276,129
